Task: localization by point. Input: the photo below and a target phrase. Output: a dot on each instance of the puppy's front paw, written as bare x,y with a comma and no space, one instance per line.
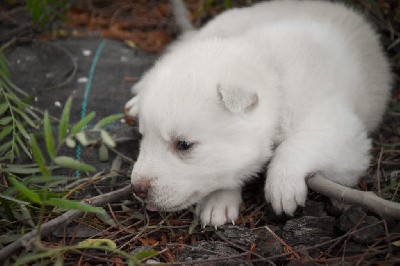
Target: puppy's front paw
284,191
131,110
220,207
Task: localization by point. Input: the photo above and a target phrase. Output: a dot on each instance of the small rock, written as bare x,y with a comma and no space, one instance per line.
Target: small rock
81,231
268,245
241,236
313,208
353,216
86,52
353,248
206,250
83,80
308,231
57,104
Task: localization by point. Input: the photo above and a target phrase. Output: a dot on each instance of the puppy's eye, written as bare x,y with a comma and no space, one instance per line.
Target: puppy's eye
183,145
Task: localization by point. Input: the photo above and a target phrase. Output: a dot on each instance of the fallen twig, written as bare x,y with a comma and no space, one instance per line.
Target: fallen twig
367,200
69,216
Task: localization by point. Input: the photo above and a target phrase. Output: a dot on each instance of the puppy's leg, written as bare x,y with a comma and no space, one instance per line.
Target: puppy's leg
220,207
332,142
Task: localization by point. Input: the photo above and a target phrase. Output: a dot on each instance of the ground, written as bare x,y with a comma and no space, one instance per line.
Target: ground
96,55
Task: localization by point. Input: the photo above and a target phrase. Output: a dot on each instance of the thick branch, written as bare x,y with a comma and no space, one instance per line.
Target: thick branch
367,200
69,216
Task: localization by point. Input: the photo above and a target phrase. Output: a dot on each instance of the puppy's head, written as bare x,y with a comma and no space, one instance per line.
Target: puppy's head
206,115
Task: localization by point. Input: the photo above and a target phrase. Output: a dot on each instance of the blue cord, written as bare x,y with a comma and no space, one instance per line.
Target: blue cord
86,95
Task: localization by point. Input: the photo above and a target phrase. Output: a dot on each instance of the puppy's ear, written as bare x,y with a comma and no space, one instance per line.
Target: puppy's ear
237,100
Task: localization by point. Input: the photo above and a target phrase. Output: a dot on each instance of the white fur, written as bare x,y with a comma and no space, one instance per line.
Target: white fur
308,78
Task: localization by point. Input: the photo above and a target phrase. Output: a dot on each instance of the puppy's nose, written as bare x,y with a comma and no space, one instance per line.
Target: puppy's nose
141,188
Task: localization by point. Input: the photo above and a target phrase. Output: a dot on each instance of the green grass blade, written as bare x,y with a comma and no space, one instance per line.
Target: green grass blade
68,162
82,123
38,156
23,146
21,129
5,131
3,65
14,199
107,120
3,108
25,117
73,205
144,254
51,150
31,195
64,121
6,120
15,169
5,147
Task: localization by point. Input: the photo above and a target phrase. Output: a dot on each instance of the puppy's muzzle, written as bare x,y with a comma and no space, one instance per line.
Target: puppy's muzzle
141,188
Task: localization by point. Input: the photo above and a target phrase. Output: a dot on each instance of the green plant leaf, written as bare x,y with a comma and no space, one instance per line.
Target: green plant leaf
144,254
23,146
70,142
5,147
5,131
25,117
17,169
82,138
64,121
38,156
6,212
6,120
3,108
21,129
82,123
93,243
26,215
116,164
107,120
8,156
31,195
14,200
15,149
69,162
39,255
32,113
107,139
103,153
51,150
72,205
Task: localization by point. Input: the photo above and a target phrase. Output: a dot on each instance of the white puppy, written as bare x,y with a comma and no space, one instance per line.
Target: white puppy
299,84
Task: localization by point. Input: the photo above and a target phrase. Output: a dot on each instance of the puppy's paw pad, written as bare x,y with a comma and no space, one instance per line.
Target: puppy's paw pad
219,208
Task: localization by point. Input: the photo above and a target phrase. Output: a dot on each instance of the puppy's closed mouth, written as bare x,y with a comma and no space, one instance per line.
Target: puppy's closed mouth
154,208
192,199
